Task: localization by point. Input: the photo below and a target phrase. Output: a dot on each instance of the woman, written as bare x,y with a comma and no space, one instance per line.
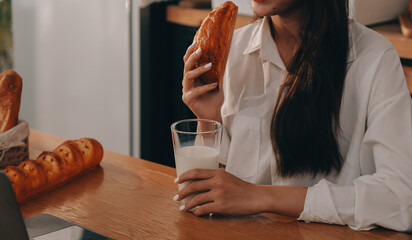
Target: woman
317,121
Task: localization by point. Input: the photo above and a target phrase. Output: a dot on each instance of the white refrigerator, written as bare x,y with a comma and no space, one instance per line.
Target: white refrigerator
79,60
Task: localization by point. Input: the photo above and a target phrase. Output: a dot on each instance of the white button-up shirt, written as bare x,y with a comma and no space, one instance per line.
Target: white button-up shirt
374,186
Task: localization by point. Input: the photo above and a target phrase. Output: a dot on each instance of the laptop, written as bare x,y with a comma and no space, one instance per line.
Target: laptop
39,227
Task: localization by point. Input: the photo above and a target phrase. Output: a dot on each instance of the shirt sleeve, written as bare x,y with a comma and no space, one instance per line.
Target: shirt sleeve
383,198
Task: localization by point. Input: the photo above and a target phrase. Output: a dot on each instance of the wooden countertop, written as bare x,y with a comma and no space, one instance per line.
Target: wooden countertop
130,198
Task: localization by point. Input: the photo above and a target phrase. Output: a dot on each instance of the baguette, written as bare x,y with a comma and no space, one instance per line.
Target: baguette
52,169
10,96
214,37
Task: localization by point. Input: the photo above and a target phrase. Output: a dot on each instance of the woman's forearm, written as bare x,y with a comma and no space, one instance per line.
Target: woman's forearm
221,192
285,200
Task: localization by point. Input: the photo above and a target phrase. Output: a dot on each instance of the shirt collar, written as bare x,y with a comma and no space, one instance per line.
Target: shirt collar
262,39
352,34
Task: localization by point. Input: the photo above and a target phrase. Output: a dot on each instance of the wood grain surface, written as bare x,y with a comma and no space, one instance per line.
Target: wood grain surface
130,198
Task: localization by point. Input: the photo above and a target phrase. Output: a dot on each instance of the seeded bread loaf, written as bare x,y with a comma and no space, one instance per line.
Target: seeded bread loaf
52,169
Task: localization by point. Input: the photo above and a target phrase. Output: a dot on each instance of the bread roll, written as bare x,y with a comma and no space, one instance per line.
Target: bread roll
52,169
10,95
214,37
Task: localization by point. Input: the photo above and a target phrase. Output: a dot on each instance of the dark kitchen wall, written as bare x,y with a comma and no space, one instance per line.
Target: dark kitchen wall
163,45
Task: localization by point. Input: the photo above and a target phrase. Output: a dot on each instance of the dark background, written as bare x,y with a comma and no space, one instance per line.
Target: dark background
163,47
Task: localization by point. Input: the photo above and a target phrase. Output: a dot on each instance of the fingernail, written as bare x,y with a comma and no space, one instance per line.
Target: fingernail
213,84
176,180
208,65
198,50
176,197
193,43
182,207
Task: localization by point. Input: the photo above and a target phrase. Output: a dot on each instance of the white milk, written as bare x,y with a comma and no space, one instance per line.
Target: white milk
191,157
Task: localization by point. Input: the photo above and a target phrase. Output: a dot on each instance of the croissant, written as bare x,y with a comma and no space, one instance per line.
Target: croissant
214,37
51,169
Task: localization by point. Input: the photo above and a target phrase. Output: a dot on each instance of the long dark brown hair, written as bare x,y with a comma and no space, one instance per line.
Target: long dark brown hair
305,122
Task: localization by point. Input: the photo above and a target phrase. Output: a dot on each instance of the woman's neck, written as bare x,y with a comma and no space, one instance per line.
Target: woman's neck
286,34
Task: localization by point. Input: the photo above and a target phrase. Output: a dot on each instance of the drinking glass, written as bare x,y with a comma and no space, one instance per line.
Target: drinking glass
196,144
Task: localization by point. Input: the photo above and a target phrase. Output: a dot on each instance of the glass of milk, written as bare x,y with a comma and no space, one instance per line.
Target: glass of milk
196,144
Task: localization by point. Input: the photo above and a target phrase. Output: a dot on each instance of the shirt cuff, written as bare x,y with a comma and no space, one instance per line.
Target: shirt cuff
224,146
328,203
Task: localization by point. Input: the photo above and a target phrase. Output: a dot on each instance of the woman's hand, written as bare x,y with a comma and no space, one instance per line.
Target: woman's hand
220,192
205,101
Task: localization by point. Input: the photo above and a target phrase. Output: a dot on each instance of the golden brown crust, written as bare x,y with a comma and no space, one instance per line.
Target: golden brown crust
71,157
214,37
17,178
91,150
410,7
52,169
53,165
36,175
10,95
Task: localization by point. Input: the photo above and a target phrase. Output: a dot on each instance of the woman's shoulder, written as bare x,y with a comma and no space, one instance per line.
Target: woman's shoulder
242,36
365,41
374,67
253,26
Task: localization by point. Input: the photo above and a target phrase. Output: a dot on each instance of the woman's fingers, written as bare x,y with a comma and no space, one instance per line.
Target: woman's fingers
190,76
190,62
206,209
198,174
205,203
194,187
217,191
193,94
189,51
190,73
198,200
